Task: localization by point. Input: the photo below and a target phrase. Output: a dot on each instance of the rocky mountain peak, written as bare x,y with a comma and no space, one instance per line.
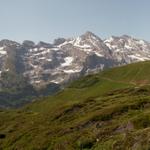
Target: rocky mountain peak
44,45
90,35
126,36
28,43
59,41
6,42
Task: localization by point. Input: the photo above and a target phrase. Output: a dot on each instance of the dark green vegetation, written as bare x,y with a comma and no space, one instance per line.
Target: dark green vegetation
106,111
16,91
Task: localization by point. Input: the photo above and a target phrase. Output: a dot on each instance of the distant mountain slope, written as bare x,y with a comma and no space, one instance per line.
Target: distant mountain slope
68,59
105,111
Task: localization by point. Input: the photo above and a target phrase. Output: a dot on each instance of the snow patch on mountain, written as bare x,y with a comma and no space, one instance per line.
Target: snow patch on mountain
3,51
139,58
68,61
72,71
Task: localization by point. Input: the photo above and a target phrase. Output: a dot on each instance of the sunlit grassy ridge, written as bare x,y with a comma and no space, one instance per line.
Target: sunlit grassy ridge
109,110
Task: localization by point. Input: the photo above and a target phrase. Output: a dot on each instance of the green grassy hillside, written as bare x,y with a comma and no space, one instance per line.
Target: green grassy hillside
106,111
136,73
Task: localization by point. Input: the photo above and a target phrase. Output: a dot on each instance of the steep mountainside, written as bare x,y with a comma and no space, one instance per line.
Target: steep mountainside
50,66
108,111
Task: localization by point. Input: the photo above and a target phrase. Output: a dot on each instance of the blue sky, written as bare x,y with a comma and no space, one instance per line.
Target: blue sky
48,19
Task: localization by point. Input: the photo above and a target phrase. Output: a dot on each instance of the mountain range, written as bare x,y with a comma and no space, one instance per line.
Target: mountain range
44,68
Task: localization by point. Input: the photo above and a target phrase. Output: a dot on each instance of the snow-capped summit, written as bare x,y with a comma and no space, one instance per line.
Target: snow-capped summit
88,43
90,36
127,49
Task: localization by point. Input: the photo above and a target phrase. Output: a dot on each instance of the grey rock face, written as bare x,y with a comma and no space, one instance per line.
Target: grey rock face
28,44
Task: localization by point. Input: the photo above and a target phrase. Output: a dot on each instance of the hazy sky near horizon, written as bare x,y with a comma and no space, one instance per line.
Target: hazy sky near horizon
48,19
